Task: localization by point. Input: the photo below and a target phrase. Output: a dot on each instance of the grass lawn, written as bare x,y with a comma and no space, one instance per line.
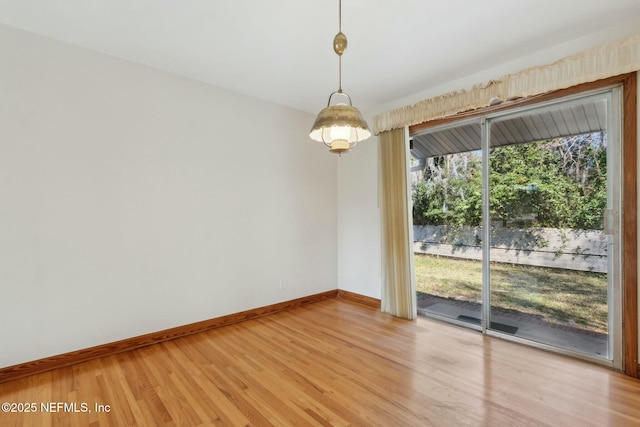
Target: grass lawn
568,297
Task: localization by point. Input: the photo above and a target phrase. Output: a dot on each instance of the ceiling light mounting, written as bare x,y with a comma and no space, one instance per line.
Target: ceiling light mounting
340,127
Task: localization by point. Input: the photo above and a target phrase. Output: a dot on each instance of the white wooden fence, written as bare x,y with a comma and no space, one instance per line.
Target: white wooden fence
584,250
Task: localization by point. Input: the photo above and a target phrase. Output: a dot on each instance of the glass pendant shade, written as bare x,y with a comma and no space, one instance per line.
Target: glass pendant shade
340,127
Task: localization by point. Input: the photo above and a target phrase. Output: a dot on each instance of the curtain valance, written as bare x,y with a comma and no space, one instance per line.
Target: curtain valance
594,64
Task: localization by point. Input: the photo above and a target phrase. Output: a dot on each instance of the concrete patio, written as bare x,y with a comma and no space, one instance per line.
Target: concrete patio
523,325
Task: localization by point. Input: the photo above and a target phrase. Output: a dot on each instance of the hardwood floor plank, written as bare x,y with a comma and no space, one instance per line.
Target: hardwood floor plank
67,359
331,363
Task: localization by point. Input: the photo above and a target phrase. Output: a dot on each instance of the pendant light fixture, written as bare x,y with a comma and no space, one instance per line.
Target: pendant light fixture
340,126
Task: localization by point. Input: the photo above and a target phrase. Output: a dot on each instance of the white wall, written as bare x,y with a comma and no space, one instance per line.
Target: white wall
359,267
133,200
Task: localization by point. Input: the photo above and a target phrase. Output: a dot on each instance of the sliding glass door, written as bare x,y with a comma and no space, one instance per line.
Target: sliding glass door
516,224
447,216
550,191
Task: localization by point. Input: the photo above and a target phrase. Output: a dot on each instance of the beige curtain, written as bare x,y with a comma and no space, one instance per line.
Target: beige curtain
594,64
398,283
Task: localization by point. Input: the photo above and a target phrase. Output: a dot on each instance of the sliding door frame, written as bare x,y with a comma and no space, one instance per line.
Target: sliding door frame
629,226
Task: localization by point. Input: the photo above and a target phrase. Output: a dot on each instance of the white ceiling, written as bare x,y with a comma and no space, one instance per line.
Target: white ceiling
281,50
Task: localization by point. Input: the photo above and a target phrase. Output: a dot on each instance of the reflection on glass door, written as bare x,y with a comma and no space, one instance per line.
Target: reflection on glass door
549,252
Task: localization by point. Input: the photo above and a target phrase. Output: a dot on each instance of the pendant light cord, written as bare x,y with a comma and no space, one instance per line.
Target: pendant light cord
339,56
340,75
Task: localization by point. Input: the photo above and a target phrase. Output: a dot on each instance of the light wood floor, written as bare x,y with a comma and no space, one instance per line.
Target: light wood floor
331,363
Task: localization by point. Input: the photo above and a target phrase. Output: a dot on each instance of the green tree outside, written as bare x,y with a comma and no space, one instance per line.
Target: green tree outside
557,183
